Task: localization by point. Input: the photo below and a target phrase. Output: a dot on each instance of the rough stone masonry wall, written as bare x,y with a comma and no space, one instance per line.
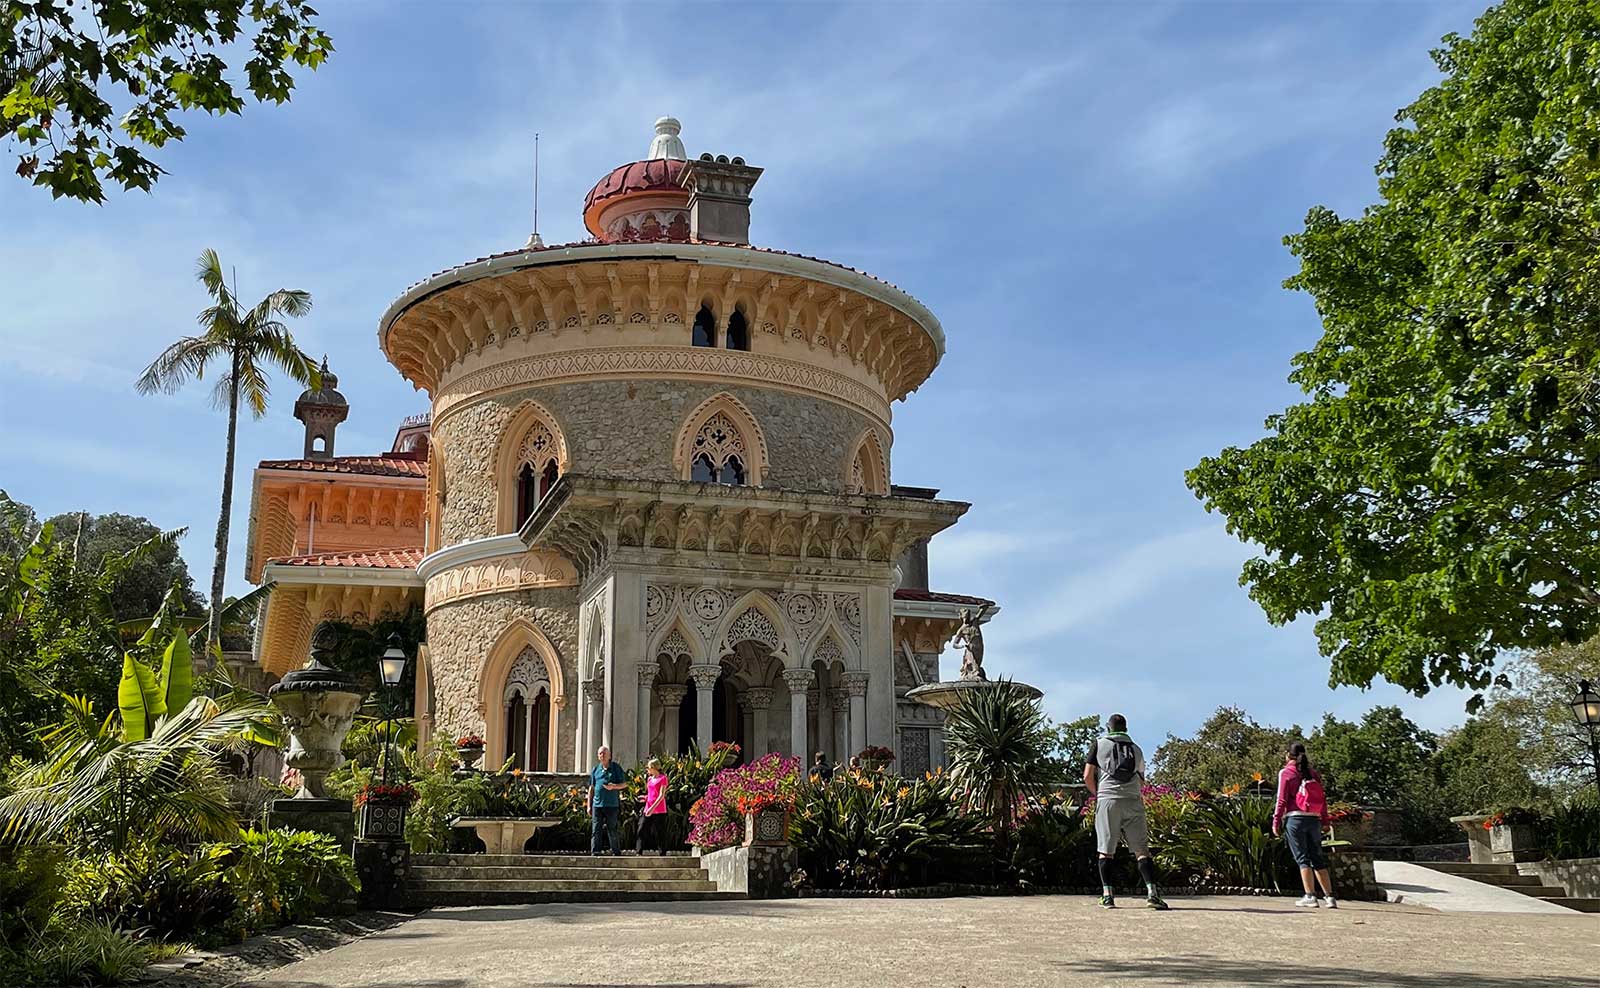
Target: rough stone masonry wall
460,635
626,429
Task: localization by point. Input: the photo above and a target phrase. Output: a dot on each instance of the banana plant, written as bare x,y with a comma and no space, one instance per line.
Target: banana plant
146,695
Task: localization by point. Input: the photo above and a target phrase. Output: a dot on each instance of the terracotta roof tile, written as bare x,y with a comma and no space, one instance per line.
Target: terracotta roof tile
392,465
370,559
906,593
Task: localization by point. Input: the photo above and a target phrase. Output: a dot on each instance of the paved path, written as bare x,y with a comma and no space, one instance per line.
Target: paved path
1419,886
976,942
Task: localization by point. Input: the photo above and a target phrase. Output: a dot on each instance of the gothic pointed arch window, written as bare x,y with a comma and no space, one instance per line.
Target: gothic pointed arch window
705,327
532,458
738,337
720,442
869,468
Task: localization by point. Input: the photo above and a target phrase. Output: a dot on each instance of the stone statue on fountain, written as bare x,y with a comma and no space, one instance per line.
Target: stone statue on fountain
971,636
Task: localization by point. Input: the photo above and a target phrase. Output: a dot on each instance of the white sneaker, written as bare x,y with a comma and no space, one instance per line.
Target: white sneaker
1332,903
1306,902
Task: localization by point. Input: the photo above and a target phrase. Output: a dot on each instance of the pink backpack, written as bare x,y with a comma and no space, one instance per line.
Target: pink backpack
1310,798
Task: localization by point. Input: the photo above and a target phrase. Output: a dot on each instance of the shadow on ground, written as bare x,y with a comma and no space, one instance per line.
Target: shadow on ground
1199,972
582,912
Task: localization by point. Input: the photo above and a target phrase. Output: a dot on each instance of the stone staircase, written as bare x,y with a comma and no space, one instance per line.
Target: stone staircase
499,879
1507,877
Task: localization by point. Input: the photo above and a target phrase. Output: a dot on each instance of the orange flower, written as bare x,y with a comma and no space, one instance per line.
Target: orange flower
1257,776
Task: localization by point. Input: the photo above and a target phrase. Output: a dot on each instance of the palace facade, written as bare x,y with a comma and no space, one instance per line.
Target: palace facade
651,503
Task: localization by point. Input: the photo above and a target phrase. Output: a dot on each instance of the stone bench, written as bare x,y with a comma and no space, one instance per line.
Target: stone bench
505,834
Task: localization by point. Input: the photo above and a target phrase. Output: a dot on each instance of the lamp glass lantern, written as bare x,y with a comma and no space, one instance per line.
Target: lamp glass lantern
393,662
1586,705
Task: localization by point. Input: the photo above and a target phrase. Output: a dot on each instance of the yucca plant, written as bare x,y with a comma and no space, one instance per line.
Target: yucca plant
97,790
998,743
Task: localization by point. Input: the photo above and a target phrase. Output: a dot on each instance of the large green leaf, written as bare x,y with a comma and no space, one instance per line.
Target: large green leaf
177,673
139,698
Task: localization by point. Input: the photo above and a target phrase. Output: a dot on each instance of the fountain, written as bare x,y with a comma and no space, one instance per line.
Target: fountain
948,694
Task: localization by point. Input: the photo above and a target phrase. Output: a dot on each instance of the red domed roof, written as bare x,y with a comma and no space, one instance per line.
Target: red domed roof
637,176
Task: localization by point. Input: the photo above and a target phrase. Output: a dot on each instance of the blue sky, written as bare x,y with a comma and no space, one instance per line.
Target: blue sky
1091,198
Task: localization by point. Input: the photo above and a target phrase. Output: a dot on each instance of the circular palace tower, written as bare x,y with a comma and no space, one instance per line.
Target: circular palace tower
656,506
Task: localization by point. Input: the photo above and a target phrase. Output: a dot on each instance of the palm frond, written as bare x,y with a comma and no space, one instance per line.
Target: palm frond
177,364
208,270
273,342
254,388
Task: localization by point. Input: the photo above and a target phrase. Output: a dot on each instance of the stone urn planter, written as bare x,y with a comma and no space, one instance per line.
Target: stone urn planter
1478,849
470,755
1510,843
767,828
317,704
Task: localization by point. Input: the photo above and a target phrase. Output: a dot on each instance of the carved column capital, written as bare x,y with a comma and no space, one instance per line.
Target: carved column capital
840,700
671,694
855,683
705,676
594,690
798,680
647,673
758,697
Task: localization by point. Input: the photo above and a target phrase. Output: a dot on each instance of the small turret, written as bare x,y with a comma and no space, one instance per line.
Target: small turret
321,410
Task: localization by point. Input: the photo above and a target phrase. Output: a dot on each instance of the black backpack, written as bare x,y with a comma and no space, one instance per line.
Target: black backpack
1124,760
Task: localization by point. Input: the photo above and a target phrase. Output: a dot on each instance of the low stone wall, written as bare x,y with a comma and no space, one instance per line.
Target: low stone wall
1579,876
1353,876
761,872
382,867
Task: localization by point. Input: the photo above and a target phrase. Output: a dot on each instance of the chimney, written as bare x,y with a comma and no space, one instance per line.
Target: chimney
719,198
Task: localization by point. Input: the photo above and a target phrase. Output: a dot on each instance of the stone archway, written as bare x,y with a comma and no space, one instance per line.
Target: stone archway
522,666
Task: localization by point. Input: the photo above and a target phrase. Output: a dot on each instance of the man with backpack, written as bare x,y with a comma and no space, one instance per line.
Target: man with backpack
1114,772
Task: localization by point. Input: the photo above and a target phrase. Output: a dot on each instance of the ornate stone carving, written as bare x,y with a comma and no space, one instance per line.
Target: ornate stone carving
801,609
708,604
528,673
526,571
753,625
705,676
674,644
828,650
758,697
839,700
855,682
594,690
971,636
798,680
671,694
647,673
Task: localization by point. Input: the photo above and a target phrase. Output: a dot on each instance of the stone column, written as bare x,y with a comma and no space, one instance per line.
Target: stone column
758,698
855,684
839,700
647,677
671,695
798,680
705,680
594,691
825,689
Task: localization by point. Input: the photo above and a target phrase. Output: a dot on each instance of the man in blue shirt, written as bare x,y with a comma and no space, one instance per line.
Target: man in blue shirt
606,781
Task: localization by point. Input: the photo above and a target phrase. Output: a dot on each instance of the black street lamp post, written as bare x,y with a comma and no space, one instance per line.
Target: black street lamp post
1586,708
393,667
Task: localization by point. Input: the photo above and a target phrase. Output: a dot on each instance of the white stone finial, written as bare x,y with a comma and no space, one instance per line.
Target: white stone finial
666,143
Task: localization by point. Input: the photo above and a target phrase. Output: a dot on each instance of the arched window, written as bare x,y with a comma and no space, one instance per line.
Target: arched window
537,471
738,332
705,328
718,452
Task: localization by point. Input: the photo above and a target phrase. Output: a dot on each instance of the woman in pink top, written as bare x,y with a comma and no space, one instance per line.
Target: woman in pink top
654,814
1301,813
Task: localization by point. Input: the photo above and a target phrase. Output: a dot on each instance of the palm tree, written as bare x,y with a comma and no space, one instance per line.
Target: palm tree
998,744
247,340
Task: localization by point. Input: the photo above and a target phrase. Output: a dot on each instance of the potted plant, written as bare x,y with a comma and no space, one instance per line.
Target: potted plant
1512,834
875,757
469,748
383,809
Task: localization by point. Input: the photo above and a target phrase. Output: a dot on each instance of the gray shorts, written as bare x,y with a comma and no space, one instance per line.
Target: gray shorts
1121,819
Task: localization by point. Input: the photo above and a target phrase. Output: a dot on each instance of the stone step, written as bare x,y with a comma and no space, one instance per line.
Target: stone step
1538,891
1466,870
555,886
1581,905
488,897
557,860
548,872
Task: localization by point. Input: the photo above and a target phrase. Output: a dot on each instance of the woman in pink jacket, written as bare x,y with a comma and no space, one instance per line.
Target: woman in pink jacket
653,815
1300,815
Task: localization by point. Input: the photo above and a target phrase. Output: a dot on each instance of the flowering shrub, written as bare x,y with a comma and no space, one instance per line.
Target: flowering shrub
869,830
376,792
717,818
726,749
469,741
1346,813
1511,816
875,753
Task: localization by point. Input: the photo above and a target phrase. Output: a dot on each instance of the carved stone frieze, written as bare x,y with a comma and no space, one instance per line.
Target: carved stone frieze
526,571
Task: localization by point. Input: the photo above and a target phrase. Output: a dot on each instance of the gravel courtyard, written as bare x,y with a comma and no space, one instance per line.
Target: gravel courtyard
976,942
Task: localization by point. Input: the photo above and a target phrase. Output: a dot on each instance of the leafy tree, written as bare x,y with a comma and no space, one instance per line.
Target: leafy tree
1069,743
61,64
145,583
1230,749
249,341
1375,761
1436,498
1534,708
1483,765
357,648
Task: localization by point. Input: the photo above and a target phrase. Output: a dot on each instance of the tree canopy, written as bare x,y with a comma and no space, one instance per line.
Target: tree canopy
1436,500
62,64
1229,749
144,583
